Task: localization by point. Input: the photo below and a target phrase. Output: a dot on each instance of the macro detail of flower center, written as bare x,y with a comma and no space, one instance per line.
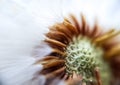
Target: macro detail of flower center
78,49
82,57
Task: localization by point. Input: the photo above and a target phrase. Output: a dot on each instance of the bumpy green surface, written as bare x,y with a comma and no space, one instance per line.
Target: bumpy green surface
82,57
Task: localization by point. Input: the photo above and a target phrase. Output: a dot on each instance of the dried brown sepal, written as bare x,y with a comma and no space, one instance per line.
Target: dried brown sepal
63,54
58,36
84,25
109,35
96,32
74,80
55,73
46,59
55,42
75,23
53,63
69,26
97,75
62,28
49,58
114,51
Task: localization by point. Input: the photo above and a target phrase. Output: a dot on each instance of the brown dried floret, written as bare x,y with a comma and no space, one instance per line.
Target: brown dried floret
61,35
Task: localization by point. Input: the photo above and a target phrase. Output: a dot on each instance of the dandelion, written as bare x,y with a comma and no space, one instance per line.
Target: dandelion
79,50
72,52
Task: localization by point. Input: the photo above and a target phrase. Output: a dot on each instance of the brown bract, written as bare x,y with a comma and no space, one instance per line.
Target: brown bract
59,37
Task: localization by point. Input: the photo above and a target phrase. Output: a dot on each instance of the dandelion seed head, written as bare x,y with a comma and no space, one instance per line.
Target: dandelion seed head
82,57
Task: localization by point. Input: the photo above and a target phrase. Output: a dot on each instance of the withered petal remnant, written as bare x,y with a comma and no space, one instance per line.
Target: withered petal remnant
61,35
